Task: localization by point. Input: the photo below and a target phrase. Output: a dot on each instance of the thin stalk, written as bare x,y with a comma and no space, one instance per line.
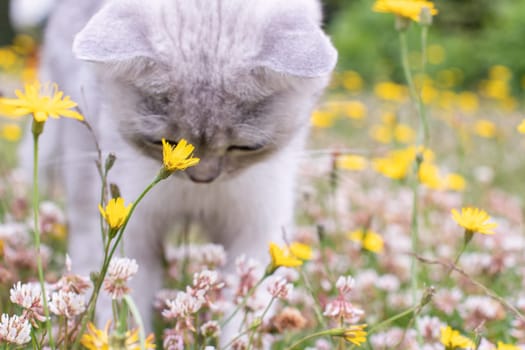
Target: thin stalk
316,306
313,335
416,97
40,269
260,323
244,301
392,319
108,254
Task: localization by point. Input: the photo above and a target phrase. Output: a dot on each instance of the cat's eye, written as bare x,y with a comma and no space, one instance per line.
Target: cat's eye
246,148
159,142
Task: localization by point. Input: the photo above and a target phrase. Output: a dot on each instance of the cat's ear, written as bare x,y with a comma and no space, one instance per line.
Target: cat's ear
115,34
295,45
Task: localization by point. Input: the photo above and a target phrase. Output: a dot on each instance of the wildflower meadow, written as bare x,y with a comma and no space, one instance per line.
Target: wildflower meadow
409,222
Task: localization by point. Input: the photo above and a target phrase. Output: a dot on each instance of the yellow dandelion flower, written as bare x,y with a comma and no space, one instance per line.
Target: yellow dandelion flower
40,101
352,81
405,8
281,257
381,133
355,334
474,220
500,72
403,133
355,109
455,182
430,176
322,119
468,102
10,132
98,339
178,157
503,346
485,128
370,240
1,248
115,213
390,91
521,127
301,251
452,339
352,162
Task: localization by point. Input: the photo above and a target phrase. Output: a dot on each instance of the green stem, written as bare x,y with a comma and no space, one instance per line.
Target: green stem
244,300
107,259
316,305
37,130
315,335
392,319
416,97
261,321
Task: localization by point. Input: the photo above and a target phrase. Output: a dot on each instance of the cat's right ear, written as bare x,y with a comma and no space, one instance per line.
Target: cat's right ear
115,34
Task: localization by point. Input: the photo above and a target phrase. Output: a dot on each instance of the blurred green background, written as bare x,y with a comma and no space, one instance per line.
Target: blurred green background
468,35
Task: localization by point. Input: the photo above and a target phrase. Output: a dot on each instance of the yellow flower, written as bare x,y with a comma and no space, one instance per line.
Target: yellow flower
355,334
98,339
351,162
282,257
453,340
521,127
11,132
429,176
115,213
474,220
370,241
322,119
381,133
40,101
503,346
404,8
301,251
404,134
468,102
1,248
391,91
352,81
355,109
178,157
485,128
455,182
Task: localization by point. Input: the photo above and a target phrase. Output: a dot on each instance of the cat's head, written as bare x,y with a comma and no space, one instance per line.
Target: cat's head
237,79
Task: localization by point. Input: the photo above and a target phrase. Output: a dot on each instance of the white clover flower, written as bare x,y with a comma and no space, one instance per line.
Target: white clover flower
206,280
184,305
28,296
15,330
345,284
211,329
280,288
67,304
122,269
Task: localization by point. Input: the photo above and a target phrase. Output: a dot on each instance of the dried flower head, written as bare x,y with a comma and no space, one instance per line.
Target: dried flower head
289,319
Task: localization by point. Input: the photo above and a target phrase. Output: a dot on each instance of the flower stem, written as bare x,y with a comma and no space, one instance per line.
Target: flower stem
108,254
330,332
37,130
244,300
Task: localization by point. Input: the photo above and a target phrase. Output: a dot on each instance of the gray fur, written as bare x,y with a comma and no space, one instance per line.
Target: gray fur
224,74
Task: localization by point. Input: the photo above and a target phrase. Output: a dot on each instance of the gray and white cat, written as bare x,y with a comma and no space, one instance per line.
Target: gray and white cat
236,78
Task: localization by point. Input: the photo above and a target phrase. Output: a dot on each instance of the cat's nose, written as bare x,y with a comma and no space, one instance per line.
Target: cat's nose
206,171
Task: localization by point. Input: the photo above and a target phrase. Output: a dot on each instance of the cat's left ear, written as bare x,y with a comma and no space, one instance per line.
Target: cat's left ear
295,45
116,33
